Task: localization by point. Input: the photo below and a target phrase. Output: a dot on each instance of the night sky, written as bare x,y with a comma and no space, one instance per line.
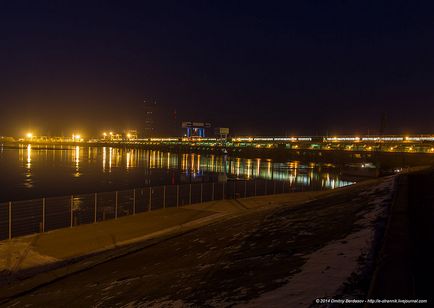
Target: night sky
258,67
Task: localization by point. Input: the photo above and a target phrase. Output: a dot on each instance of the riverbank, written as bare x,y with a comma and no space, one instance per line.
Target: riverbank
53,252
268,238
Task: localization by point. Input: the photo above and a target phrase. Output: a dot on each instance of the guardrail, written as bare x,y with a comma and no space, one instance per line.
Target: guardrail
26,217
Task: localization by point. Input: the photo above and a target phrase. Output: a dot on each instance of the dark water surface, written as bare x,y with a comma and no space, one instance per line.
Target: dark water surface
32,172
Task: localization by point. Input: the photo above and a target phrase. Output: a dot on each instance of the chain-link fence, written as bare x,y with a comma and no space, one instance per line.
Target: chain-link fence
20,218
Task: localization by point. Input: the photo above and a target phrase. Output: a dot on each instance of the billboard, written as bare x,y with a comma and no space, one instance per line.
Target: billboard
196,124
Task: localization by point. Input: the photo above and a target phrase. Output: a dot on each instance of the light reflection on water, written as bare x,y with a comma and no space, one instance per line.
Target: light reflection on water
28,180
76,159
33,171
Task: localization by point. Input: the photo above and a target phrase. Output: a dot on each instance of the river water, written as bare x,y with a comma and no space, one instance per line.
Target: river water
29,172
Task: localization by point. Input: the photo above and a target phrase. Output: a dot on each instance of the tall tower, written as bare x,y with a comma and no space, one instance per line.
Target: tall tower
149,129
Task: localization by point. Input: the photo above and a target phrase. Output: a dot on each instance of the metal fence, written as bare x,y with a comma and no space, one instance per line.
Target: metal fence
20,218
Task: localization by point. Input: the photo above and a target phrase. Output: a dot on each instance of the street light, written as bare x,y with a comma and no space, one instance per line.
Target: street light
76,137
29,135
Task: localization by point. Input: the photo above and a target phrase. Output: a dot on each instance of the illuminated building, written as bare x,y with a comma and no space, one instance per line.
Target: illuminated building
195,129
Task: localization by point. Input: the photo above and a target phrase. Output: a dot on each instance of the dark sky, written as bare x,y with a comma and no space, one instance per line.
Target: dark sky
263,67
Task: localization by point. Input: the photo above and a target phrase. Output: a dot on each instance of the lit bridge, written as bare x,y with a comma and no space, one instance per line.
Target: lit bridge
407,144
389,151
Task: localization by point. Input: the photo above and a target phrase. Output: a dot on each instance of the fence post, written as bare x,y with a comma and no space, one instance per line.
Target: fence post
150,199
189,198
164,196
213,184
201,192
134,201
245,188
255,187
274,187
266,185
96,204
10,219
116,207
177,195
71,205
43,215
223,197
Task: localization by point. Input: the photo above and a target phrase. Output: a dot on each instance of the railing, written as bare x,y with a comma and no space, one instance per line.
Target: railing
26,217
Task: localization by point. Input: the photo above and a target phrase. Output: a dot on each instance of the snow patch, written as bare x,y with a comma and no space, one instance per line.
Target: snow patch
326,269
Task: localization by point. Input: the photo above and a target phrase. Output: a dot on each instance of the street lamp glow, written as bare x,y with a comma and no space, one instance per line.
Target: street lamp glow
76,137
29,135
